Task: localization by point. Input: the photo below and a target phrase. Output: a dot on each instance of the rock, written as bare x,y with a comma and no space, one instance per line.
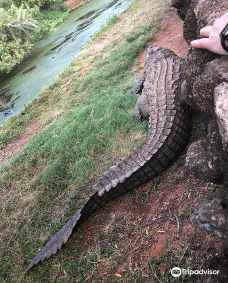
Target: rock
217,157
197,163
215,73
182,12
221,110
207,84
212,217
200,13
217,263
197,60
206,158
190,22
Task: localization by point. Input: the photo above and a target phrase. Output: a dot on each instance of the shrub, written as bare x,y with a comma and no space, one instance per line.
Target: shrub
18,22
21,26
12,53
44,4
5,4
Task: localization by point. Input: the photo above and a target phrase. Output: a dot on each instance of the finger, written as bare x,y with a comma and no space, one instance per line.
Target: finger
225,16
201,43
217,23
205,32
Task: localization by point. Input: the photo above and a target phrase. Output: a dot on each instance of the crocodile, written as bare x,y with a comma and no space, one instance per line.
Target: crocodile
168,131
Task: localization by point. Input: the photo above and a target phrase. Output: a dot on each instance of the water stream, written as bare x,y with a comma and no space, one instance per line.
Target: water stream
54,53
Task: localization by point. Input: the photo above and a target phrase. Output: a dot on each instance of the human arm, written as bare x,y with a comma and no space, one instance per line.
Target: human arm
211,36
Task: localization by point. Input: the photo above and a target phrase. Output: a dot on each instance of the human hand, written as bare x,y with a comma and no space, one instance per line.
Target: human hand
177,3
211,36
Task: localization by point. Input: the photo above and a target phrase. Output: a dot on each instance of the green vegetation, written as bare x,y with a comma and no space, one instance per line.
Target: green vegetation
67,160
106,27
22,23
88,125
44,4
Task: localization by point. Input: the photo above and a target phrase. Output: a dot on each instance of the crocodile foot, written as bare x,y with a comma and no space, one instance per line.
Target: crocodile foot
142,108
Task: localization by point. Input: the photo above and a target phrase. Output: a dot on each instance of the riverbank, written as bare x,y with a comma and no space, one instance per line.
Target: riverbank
79,126
21,28
54,53
75,4
18,43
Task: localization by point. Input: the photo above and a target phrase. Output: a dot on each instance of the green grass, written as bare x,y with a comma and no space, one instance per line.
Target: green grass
16,125
50,179
111,21
97,128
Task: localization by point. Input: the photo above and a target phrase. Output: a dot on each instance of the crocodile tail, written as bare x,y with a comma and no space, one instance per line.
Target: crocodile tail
62,236
56,242
118,180
153,156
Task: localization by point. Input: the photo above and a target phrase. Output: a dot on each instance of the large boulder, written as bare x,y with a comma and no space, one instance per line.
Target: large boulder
206,157
197,163
207,85
217,263
215,73
221,110
200,13
212,217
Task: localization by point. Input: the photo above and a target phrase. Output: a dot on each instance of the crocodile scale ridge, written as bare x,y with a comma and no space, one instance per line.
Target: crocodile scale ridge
168,132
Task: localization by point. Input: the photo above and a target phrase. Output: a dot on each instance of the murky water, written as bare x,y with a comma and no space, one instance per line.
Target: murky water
54,53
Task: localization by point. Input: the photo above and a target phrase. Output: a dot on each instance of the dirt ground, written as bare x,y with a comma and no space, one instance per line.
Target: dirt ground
164,235
169,35
73,4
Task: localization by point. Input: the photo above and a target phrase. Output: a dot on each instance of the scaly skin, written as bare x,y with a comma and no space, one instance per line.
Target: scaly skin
169,127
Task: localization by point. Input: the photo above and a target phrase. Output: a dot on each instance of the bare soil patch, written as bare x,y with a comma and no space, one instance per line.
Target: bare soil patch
16,145
151,225
74,4
169,35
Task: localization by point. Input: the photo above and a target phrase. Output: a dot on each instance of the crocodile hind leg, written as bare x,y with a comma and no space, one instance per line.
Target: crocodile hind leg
142,108
139,84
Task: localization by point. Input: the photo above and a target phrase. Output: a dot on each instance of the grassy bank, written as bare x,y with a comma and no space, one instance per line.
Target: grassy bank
88,124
